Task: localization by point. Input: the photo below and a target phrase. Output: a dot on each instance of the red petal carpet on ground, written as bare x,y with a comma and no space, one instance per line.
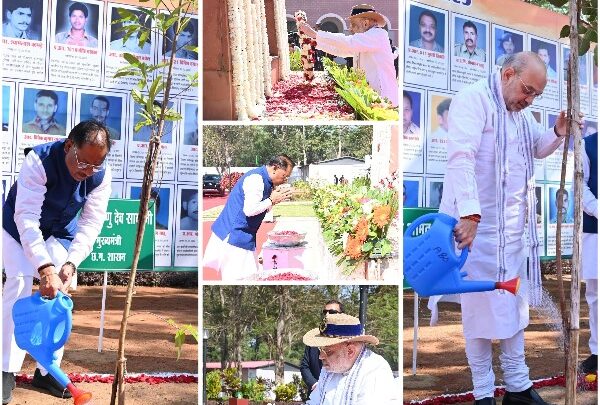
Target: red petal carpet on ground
547,382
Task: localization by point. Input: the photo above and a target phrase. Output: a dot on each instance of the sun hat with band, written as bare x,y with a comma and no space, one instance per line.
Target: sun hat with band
367,11
338,328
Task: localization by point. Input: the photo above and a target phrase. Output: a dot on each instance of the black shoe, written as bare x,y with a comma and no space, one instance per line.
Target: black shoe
8,385
589,365
49,383
527,397
486,401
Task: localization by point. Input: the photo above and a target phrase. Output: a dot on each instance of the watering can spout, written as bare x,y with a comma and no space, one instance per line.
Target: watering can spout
431,265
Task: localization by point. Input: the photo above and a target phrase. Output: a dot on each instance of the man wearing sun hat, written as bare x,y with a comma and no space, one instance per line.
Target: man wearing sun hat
369,45
352,374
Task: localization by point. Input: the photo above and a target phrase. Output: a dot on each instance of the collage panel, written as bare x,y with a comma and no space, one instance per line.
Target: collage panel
300,203
482,201
301,60
301,344
89,274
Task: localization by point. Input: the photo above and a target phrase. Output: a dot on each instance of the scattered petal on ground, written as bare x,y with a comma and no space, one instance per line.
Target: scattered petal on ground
296,98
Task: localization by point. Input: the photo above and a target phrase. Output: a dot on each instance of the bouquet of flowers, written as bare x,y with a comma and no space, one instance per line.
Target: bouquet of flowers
355,221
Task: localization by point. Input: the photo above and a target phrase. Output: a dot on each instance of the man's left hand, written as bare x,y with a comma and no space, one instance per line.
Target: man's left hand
561,126
66,273
307,30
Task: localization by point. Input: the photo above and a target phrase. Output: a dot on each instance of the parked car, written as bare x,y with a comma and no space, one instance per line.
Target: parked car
211,184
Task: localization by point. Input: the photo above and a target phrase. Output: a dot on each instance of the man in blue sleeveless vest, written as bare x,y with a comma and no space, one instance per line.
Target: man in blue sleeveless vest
44,234
590,245
232,245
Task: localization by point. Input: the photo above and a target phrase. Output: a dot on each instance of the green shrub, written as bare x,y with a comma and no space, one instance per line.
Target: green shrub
285,392
301,387
361,181
231,381
295,61
254,390
213,385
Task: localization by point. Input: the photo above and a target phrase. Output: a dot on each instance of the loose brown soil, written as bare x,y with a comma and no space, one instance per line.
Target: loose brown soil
441,362
149,345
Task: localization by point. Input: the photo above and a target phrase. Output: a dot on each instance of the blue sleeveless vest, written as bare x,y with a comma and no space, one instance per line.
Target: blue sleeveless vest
63,199
233,222
590,223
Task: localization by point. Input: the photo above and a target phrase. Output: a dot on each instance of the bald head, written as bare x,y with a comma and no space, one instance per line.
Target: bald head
526,60
523,78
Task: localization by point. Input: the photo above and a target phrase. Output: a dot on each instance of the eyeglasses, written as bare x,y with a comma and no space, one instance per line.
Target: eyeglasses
528,91
331,351
330,311
85,166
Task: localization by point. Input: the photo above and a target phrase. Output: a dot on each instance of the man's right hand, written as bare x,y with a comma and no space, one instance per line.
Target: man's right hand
465,232
50,283
279,195
314,386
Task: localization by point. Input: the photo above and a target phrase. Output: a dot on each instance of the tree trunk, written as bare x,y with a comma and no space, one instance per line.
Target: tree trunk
283,294
224,331
573,105
118,387
238,327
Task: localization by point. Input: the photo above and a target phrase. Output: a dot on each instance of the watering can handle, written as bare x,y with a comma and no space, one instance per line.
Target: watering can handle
423,218
463,257
432,217
68,305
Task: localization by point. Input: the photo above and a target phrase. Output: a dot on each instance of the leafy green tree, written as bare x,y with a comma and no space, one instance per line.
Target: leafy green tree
153,93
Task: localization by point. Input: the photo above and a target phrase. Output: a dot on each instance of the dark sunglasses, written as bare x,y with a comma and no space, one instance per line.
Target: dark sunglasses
330,311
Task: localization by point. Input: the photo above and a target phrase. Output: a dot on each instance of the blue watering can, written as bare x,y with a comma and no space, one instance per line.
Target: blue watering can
431,265
43,326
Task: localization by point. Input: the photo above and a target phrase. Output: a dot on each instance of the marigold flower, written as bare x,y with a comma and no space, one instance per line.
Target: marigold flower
381,215
361,230
353,248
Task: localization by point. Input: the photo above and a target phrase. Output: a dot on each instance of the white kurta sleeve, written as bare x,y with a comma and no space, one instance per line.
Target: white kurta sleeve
379,388
31,188
590,202
253,191
91,220
315,395
466,124
347,45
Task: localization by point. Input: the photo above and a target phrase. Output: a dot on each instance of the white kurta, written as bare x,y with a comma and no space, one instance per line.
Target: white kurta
25,258
374,384
233,262
590,240
470,188
372,53
589,257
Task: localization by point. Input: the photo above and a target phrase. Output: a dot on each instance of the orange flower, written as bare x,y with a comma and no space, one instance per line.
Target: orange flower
361,230
353,248
381,215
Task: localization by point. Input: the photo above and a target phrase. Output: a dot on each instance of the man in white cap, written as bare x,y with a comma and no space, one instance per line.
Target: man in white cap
352,374
369,45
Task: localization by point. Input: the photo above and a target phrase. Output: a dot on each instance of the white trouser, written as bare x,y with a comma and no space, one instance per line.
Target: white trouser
512,361
233,262
19,284
591,296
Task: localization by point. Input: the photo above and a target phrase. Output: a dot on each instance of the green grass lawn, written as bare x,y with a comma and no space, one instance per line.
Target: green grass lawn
285,209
